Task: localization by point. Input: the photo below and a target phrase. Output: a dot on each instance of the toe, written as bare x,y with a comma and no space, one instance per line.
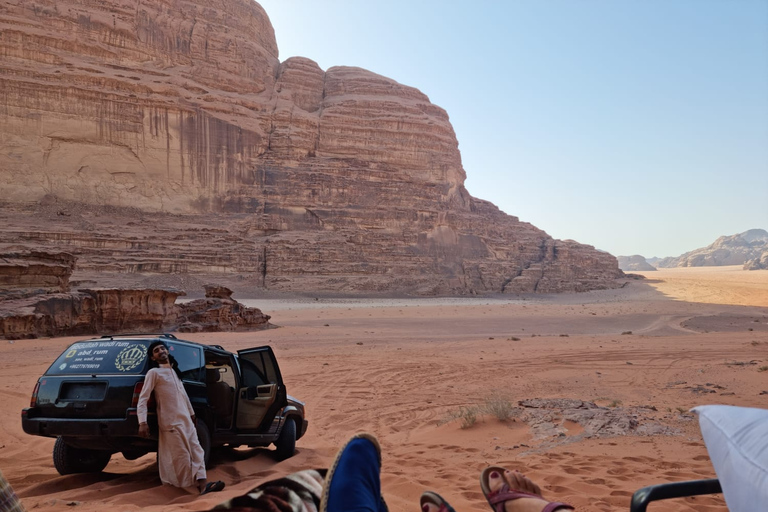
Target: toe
495,480
429,507
521,482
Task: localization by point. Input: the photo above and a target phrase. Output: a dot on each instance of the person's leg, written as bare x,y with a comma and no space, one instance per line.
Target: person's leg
353,482
297,492
511,491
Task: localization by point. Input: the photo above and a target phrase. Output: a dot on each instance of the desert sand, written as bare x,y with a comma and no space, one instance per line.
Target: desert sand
401,368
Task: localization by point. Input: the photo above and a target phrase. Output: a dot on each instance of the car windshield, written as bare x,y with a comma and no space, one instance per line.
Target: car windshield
101,356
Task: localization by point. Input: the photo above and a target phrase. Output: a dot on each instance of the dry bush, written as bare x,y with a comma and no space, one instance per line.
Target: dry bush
496,404
468,416
500,406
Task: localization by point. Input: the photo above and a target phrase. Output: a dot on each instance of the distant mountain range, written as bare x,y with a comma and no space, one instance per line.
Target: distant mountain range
634,263
749,248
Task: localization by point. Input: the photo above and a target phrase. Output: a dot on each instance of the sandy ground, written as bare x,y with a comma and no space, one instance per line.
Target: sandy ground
401,368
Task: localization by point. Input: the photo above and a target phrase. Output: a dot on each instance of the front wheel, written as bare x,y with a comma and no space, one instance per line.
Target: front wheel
68,459
285,446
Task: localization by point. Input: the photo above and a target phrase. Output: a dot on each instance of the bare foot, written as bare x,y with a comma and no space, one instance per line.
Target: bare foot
518,482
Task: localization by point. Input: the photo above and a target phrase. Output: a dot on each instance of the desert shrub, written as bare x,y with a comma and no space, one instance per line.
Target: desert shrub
500,406
468,416
496,404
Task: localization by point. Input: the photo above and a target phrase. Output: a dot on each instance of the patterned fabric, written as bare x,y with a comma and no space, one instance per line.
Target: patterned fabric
297,492
8,500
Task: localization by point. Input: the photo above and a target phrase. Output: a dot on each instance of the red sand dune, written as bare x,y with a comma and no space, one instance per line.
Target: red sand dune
399,368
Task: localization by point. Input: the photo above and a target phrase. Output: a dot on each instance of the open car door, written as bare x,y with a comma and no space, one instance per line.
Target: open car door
262,392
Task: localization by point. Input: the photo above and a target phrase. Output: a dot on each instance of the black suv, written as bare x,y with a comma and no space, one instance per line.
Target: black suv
87,400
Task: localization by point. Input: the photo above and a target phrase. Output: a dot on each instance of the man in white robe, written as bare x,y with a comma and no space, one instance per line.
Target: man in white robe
181,460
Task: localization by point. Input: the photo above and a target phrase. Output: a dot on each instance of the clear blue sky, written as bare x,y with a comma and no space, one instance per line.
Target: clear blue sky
636,126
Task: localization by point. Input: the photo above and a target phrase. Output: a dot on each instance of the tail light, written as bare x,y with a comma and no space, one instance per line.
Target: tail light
137,392
33,400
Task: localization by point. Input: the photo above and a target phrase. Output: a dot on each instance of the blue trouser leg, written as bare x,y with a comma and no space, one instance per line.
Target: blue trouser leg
356,482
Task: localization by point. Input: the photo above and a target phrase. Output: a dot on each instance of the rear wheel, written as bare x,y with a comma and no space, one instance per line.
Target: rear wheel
285,446
68,459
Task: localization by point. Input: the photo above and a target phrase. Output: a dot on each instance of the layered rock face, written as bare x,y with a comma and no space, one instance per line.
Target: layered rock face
109,311
168,138
35,272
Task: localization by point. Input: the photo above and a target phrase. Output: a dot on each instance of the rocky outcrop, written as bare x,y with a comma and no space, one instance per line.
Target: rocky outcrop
634,263
215,313
169,138
32,272
757,263
747,248
547,418
112,311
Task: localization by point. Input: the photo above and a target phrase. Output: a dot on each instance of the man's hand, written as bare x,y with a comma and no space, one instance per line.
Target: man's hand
143,430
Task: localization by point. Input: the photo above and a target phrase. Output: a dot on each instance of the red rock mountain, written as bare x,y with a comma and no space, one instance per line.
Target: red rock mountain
166,137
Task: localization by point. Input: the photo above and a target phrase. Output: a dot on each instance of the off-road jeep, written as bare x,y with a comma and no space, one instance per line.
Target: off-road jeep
87,400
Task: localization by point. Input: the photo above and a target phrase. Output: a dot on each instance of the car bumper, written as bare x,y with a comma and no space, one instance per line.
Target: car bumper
70,427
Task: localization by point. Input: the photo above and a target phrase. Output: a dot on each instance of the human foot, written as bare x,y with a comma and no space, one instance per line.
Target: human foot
511,491
216,486
433,502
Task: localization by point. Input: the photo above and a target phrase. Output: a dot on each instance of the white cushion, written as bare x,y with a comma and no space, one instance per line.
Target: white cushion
737,442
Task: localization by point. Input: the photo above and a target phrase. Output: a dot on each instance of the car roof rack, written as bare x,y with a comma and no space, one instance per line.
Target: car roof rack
142,335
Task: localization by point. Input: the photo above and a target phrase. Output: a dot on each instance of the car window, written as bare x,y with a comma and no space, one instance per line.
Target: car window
263,361
190,360
101,356
252,376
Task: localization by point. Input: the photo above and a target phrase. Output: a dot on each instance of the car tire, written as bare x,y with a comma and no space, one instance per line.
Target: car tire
285,446
68,459
204,437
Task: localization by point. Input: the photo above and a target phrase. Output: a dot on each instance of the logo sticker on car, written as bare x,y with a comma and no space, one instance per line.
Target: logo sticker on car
130,357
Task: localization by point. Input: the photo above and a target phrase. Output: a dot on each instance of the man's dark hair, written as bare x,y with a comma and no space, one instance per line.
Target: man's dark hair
171,359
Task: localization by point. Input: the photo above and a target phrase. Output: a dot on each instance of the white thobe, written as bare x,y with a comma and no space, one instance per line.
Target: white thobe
180,458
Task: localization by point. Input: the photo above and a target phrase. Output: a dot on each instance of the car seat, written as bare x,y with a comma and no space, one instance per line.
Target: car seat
220,396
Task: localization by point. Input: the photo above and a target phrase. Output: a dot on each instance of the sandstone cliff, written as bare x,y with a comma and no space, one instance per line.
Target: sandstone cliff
634,263
749,248
28,273
112,311
167,137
